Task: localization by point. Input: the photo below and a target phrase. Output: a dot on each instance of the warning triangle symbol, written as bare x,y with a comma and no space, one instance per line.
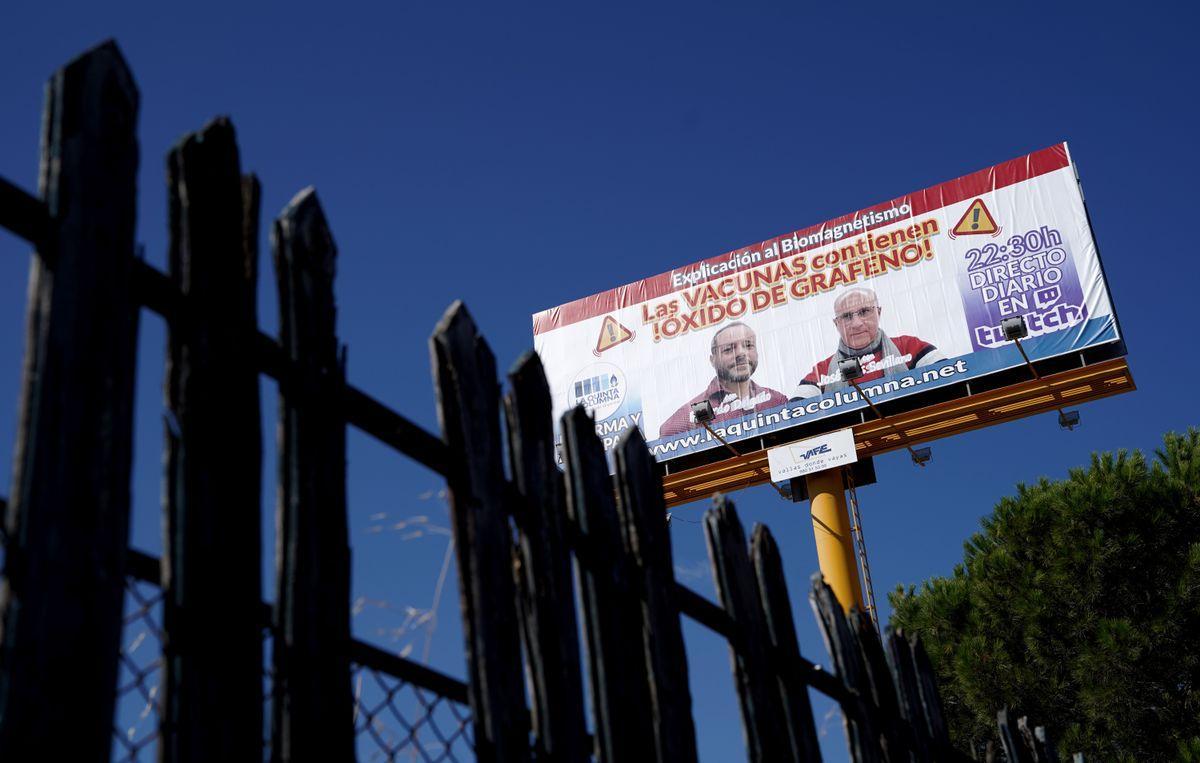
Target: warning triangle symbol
976,220
611,334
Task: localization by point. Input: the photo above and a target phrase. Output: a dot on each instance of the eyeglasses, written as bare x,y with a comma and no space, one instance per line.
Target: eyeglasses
861,313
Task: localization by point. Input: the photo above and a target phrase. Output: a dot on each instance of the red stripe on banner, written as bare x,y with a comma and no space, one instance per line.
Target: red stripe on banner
921,202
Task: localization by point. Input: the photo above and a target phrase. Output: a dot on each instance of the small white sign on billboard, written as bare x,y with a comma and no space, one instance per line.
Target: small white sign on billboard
816,454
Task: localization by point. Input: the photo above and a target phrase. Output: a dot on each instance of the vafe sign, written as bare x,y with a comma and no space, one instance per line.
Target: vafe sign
815,454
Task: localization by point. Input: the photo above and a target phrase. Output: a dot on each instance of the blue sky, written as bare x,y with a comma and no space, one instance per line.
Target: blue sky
522,156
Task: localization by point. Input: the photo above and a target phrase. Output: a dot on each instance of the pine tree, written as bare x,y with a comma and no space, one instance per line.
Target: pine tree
1078,605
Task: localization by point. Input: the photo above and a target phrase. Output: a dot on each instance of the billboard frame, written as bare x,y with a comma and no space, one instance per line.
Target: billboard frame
1006,401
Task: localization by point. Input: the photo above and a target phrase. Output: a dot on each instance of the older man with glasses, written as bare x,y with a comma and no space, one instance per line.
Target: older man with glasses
856,315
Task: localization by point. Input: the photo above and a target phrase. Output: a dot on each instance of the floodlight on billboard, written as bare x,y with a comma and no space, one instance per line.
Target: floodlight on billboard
914,294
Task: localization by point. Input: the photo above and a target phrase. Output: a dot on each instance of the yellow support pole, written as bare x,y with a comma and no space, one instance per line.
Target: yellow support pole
835,546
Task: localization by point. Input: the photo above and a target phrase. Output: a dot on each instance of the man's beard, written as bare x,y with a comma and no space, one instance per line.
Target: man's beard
727,375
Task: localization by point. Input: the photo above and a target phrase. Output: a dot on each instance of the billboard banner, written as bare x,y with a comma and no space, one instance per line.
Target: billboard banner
915,288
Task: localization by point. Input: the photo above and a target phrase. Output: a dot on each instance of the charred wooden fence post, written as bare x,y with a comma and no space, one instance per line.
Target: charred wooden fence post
896,742
1043,745
862,728
609,586
68,519
212,709
931,700
546,587
469,411
777,610
1023,744
648,542
910,704
1015,750
314,706
767,738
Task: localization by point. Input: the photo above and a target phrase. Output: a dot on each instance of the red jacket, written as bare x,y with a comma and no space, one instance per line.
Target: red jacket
726,405
912,350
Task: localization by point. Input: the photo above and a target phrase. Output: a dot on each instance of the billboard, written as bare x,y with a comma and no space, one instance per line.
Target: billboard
915,288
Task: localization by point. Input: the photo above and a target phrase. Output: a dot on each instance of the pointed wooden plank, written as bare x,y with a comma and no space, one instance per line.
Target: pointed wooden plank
544,574
758,691
862,734
1010,738
897,740
1035,741
608,584
644,516
1044,746
313,701
908,692
1026,737
469,413
931,701
777,609
68,518
212,642
213,634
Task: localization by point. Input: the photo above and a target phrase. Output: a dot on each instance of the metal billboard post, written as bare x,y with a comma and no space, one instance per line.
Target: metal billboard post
831,528
831,518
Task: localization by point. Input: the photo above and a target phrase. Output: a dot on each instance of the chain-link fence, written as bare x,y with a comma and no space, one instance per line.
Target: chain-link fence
394,719
140,674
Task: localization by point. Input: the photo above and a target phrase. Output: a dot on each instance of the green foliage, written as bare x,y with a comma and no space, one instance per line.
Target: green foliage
1079,606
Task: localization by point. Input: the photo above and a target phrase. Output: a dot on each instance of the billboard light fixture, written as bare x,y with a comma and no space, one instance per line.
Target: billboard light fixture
1014,328
702,412
920,455
850,368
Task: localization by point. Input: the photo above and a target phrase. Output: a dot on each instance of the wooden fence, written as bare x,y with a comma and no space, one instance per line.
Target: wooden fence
67,569
523,534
